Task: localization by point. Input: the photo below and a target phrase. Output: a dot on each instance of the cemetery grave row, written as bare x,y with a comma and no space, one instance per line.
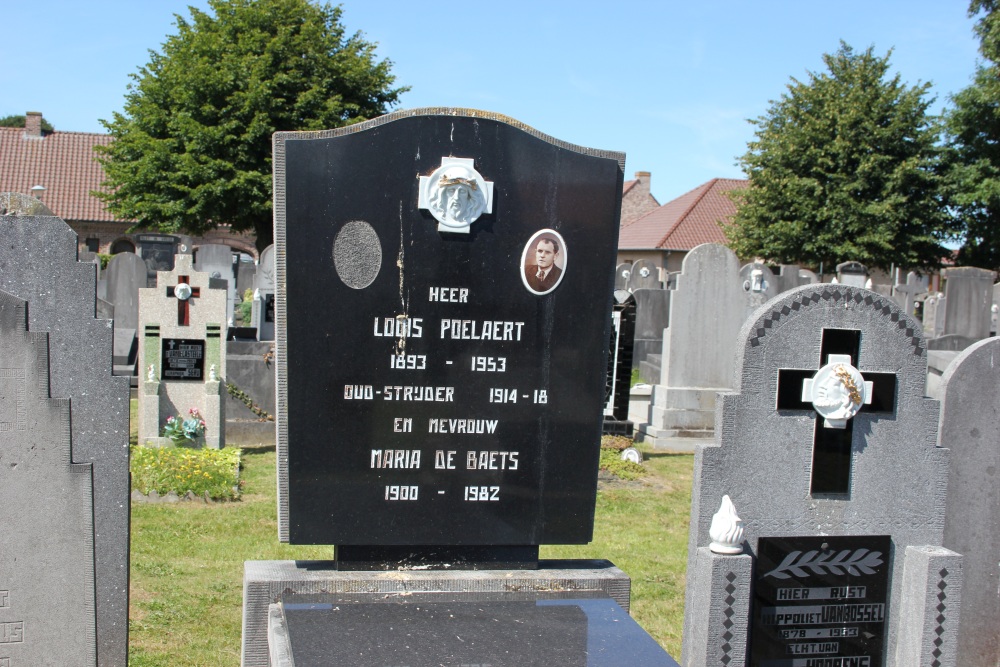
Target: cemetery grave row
442,421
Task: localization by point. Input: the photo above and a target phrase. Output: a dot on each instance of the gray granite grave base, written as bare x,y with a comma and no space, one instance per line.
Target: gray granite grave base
931,600
718,621
680,412
669,441
266,582
937,362
242,433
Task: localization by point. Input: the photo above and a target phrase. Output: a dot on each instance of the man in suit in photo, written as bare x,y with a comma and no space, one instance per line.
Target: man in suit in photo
543,275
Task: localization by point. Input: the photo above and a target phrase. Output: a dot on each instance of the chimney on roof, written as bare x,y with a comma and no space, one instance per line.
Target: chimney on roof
33,124
643,178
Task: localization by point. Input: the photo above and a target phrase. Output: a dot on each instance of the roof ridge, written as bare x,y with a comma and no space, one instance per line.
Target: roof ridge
706,187
55,132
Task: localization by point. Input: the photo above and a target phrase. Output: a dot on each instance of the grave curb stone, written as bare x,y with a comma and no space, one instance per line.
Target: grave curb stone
715,626
266,582
932,583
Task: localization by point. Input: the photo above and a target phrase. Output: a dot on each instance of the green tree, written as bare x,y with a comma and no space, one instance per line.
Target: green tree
842,167
192,149
18,121
972,130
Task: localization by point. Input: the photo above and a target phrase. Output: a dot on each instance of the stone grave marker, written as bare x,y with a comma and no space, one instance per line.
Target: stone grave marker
970,428
827,471
47,594
935,306
125,275
619,378
968,293
441,418
789,276
38,265
905,294
246,276
759,284
246,280
995,309
652,315
808,277
263,296
216,260
852,273
706,312
644,275
157,252
622,273
182,354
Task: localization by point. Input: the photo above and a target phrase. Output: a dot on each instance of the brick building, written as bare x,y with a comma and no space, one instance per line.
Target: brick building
636,198
61,169
664,235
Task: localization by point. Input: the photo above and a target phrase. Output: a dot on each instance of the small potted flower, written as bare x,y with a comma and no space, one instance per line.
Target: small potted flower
185,431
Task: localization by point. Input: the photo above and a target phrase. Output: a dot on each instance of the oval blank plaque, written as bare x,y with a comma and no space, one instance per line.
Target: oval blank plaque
357,254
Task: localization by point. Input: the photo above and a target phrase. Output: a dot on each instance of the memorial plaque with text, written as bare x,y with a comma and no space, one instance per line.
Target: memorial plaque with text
443,309
183,359
820,601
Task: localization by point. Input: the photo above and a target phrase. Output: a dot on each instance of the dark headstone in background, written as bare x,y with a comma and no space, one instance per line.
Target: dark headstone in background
619,382
157,251
396,364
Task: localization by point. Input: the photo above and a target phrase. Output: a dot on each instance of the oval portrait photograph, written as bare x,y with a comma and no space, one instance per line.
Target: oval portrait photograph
543,261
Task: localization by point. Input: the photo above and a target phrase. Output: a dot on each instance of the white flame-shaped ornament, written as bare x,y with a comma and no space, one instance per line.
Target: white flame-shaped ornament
727,530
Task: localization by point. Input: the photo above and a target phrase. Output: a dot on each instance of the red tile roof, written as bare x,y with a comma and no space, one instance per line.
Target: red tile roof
688,221
64,163
627,185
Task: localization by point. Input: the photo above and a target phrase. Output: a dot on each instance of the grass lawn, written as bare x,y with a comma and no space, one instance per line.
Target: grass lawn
187,560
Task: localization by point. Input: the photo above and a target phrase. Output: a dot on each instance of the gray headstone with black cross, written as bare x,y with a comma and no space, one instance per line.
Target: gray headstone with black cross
828,451
38,264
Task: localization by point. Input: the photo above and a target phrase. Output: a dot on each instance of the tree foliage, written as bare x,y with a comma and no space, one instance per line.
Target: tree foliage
842,168
192,149
972,159
17,120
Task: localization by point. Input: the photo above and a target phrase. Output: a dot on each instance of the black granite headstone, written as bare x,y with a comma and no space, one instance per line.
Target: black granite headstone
619,379
820,601
157,251
441,389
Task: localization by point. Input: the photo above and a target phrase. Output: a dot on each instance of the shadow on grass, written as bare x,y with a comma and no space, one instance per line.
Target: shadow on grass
257,450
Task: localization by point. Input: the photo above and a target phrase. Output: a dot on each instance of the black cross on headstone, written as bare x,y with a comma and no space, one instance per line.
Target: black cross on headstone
183,305
831,463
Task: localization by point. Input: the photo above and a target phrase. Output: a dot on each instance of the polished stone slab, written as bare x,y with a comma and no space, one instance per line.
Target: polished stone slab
432,629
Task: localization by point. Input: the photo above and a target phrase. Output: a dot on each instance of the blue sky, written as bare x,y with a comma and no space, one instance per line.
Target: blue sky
670,83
